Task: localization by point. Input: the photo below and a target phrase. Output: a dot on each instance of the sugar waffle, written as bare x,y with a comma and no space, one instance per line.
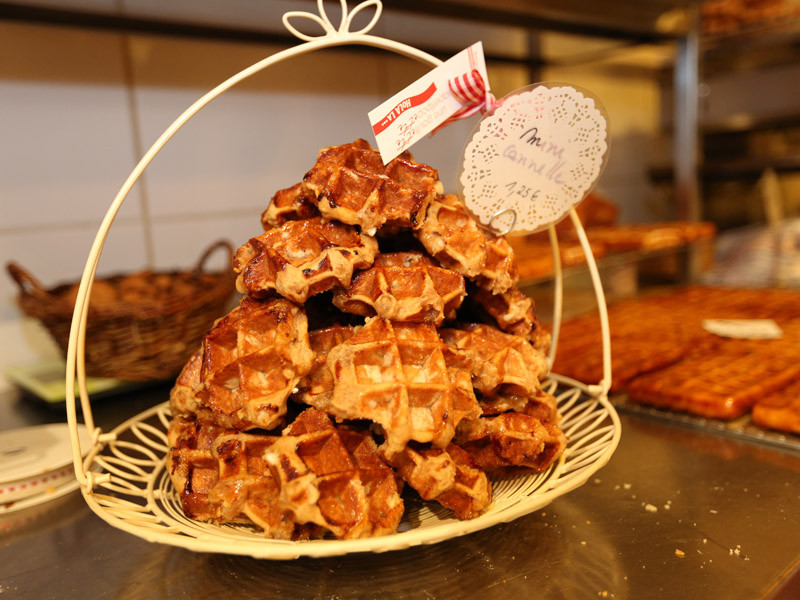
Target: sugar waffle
719,384
290,204
447,475
780,410
515,313
511,441
395,375
352,185
183,395
252,360
499,362
313,478
541,405
403,286
302,258
243,492
316,388
453,237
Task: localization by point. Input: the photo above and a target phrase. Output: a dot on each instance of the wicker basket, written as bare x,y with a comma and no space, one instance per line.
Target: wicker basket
142,326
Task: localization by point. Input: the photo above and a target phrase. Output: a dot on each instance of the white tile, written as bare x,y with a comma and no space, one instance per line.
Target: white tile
55,257
179,243
251,141
66,146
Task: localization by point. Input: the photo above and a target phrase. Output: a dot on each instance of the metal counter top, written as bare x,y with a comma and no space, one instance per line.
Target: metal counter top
676,513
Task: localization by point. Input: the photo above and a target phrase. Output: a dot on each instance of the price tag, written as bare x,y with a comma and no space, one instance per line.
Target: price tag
748,329
411,114
535,157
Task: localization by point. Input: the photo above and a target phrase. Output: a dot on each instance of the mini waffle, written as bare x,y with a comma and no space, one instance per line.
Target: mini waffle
302,258
780,410
499,272
352,185
720,385
252,359
452,237
500,363
312,478
515,313
511,441
541,405
316,388
395,375
290,204
403,286
244,492
449,476
183,395
334,478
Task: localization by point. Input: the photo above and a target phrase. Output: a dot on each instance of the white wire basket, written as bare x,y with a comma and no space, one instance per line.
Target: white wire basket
123,477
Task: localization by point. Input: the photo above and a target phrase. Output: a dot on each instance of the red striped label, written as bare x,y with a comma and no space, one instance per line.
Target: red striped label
403,106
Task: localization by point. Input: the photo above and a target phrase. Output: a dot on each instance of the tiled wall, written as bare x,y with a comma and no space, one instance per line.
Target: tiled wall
78,107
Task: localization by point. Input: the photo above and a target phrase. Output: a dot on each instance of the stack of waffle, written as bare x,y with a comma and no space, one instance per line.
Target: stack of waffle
394,324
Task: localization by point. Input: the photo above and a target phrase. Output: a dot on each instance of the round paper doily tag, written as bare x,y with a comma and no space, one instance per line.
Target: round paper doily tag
535,157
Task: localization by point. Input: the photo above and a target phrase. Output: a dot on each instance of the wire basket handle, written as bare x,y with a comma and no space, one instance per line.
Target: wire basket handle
331,37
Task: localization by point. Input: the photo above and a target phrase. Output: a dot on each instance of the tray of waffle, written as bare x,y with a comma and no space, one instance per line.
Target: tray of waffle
381,384
679,371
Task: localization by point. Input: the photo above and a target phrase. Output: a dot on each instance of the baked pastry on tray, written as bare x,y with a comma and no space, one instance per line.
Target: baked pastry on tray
403,384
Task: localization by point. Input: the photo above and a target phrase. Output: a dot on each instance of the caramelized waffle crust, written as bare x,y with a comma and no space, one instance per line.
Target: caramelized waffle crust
251,361
352,185
500,363
452,237
311,480
510,442
302,258
514,313
449,476
403,286
396,375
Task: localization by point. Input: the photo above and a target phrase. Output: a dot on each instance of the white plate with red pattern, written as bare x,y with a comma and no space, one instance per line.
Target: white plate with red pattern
35,461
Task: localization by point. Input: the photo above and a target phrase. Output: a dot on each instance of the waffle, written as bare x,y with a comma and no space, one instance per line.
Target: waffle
515,313
291,204
316,388
352,185
500,363
511,441
252,360
334,478
541,405
780,410
403,286
395,375
721,385
183,395
499,272
452,237
313,478
302,258
448,476
244,492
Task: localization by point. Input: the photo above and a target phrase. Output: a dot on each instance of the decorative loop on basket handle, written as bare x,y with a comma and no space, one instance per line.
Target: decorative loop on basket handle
327,27
27,283
201,264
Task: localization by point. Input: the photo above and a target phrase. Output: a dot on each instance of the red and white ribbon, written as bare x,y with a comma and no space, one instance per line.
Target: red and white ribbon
470,90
